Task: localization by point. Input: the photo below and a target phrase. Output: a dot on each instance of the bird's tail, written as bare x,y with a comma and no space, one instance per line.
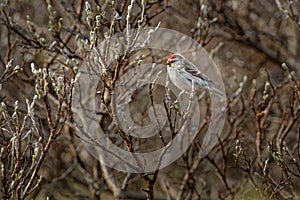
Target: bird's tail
217,91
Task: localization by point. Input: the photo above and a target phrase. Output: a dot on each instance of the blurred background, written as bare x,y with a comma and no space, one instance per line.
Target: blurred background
255,45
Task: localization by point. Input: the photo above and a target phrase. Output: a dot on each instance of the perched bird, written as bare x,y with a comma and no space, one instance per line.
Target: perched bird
184,74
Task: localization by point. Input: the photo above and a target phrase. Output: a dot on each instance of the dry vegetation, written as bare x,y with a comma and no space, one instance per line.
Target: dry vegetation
45,43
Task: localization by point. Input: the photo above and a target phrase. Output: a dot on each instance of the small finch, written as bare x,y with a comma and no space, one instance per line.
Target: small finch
184,74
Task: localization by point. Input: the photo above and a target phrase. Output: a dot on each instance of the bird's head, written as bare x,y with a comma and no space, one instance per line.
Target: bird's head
174,58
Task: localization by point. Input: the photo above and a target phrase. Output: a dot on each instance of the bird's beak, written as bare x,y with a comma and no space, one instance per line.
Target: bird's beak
168,62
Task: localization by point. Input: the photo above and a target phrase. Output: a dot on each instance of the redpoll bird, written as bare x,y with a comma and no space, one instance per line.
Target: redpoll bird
184,75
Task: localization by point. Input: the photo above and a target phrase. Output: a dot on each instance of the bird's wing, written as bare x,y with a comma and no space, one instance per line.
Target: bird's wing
197,73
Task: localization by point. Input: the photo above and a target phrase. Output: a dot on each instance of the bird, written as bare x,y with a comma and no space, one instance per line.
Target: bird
185,75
